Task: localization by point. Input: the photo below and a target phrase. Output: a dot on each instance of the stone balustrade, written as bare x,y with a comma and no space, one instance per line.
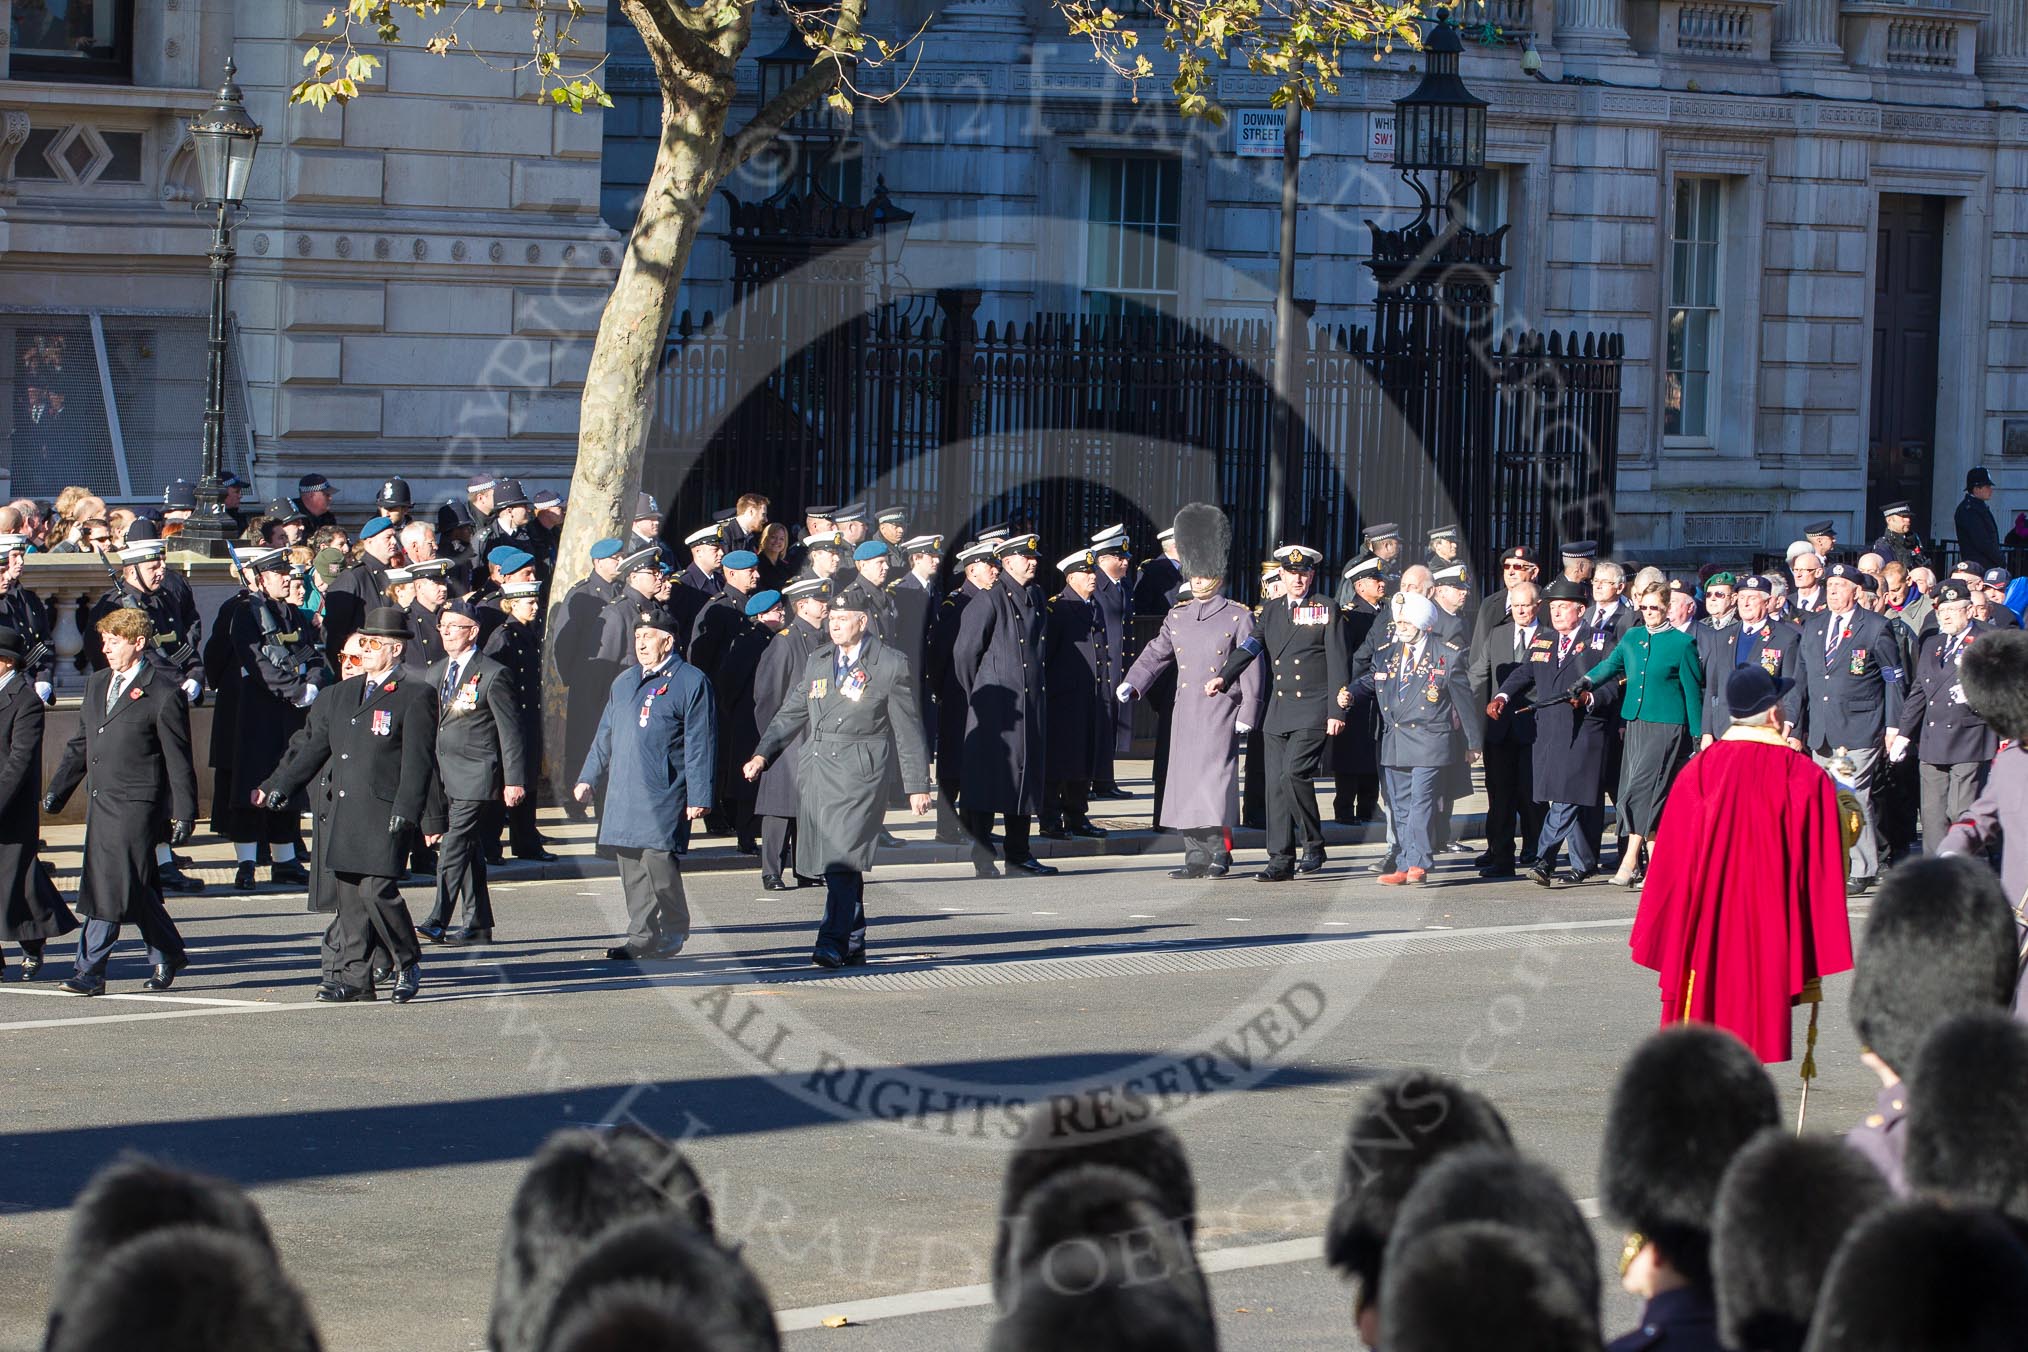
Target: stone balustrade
70,584
1708,30
1911,40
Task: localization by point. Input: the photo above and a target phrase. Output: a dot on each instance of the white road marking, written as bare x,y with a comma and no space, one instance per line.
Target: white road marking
1234,1259
213,1012
53,993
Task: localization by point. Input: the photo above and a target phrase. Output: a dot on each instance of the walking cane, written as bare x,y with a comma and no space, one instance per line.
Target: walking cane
1813,995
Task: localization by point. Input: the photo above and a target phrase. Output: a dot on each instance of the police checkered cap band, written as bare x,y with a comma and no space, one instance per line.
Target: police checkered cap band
1385,530
1444,533
893,516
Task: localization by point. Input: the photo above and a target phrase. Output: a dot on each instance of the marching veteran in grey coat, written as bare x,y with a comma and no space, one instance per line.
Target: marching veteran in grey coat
657,745
854,701
1200,793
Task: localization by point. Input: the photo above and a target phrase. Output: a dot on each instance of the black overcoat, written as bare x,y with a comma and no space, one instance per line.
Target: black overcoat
142,778
266,703
777,793
30,906
998,656
1079,675
1572,746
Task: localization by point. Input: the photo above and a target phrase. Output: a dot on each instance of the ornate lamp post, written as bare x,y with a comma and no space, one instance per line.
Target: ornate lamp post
226,140
890,223
1440,127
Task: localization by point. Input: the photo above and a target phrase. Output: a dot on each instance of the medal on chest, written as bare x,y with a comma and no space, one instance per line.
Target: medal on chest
1857,665
467,698
819,686
1770,660
854,684
648,703
1310,614
383,723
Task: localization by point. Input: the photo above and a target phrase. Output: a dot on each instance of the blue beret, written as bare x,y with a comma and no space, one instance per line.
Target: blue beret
741,558
508,559
607,547
870,549
375,527
760,603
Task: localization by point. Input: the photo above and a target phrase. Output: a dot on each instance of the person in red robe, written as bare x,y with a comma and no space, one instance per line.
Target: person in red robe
1744,910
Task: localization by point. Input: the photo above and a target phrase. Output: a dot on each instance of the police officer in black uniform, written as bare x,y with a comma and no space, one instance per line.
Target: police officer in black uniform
313,498
641,577
395,501
28,616
1901,542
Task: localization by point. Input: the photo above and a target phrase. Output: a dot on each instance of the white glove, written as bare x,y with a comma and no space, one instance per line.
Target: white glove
1897,748
45,692
1242,728
191,689
309,694
1124,691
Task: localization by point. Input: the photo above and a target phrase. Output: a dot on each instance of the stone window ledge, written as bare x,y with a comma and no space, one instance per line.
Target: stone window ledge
64,95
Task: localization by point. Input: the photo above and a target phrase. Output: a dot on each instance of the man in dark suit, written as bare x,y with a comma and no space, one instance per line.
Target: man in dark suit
481,763
133,739
1754,638
1518,567
373,737
1852,685
1571,741
1954,744
1509,743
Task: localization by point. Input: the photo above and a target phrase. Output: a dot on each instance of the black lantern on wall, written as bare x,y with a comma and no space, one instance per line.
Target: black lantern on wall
1440,128
811,138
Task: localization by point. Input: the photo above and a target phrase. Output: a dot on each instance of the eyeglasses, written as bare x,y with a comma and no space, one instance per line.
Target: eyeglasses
1657,609
1514,566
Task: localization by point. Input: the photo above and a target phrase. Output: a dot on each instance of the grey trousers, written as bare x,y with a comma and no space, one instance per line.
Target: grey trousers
1947,790
1865,862
652,882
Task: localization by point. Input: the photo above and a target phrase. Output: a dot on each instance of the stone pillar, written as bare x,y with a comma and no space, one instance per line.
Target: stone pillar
2003,42
1592,28
1806,33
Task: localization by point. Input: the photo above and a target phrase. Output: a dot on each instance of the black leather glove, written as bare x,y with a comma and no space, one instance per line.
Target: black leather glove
274,802
179,833
397,824
49,803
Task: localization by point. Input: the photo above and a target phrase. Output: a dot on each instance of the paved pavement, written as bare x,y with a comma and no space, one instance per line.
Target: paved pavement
851,1126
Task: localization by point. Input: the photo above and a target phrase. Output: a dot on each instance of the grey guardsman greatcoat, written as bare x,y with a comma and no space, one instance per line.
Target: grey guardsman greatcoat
1196,638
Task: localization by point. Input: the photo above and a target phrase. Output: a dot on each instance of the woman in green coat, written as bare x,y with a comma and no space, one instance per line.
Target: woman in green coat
1662,704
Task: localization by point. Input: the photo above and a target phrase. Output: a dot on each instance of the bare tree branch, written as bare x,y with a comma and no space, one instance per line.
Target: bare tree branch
831,68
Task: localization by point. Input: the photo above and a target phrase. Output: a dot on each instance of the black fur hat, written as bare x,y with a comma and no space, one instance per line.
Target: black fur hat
1478,1285
710,1286
1922,1275
1940,941
187,1288
1967,1128
1055,1141
1687,1100
1203,540
134,1195
1783,1208
1398,1127
1115,1215
580,1183
1493,1183
1994,670
651,1316
1081,1302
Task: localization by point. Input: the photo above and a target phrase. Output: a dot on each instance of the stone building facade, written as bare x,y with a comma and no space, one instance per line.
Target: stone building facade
419,273
1809,218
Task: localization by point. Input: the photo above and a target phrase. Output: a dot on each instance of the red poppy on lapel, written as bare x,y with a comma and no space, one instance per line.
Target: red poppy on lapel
133,694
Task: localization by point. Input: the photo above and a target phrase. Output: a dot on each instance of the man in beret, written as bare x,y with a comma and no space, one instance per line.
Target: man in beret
854,706
1743,914
1852,684
870,566
360,588
1518,567
655,753
516,644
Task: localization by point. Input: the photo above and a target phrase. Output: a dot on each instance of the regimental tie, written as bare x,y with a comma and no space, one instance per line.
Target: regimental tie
1837,636
116,688
451,678
1563,645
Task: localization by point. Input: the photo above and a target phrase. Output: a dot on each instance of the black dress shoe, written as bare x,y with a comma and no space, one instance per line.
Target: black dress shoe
890,841
1188,871
1053,833
408,984
243,876
1310,863
176,880
1218,870
1572,878
433,932
1274,874
1496,871
496,856
379,974
828,958
1482,861
79,986
164,975
290,874
470,934
1859,887
622,953
1089,832
774,885
985,870
665,947
332,993
950,836
749,847
1034,868
31,963
538,855
1541,877
1527,860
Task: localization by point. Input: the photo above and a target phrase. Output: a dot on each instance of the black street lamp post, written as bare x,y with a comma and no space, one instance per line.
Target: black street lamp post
226,139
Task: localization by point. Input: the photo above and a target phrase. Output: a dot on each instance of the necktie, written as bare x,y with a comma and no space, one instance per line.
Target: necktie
1563,650
450,679
1742,651
1837,637
1520,644
843,667
115,690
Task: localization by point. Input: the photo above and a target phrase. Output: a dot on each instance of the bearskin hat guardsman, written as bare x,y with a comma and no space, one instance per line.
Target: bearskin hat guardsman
1114,1215
1203,540
188,1288
1399,1127
642,1275
1968,1114
1784,1206
1480,1284
1925,1274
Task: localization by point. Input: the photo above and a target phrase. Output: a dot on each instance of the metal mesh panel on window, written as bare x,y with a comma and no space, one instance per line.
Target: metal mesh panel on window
56,431
158,369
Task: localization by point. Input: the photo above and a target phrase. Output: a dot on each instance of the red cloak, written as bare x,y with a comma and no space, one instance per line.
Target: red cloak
1745,898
